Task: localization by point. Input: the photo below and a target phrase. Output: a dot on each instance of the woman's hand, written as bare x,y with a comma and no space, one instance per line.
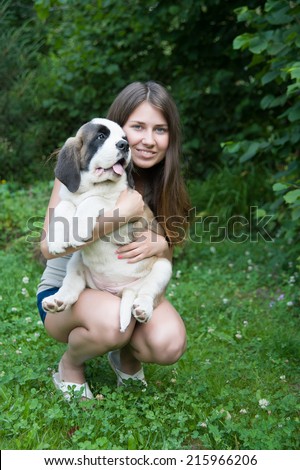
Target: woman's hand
146,244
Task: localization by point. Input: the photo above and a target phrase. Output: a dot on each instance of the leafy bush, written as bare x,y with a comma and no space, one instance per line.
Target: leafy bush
273,40
22,130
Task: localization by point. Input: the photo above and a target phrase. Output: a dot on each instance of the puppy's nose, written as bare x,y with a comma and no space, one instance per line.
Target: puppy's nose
122,145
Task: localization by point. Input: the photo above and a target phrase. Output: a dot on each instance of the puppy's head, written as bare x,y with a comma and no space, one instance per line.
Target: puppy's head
99,152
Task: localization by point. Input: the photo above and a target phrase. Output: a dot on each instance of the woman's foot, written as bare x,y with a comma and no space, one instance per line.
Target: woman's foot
70,372
133,368
70,380
127,363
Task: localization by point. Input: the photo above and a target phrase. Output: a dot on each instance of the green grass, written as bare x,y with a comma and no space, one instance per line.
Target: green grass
240,304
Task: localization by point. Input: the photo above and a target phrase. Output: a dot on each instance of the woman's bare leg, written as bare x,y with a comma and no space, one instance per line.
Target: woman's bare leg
91,328
161,341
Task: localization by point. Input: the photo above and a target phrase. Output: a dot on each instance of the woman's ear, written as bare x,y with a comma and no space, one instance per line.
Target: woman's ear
68,165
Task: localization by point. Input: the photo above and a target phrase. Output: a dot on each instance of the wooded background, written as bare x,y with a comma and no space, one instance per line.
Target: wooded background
233,67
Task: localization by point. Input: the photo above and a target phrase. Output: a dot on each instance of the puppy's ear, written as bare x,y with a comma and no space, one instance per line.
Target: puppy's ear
68,165
129,170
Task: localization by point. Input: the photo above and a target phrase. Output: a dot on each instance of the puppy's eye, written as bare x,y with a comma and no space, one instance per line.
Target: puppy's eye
101,136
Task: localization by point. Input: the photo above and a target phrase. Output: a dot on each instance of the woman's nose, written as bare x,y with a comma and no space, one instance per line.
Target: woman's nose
148,137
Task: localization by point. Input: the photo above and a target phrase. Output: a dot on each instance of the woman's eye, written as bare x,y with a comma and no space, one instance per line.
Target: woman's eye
101,136
161,130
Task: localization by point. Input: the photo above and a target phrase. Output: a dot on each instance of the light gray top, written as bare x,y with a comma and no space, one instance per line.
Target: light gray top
54,273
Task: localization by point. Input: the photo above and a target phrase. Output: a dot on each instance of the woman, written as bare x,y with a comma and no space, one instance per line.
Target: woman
150,120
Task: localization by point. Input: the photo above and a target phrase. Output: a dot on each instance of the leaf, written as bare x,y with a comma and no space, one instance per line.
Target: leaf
242,41
295,70
292,196
279,187
258,44
260,213
269,77
294,113
251,152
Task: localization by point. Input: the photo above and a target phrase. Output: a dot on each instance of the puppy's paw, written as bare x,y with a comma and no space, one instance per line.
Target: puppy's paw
142,309
76,243
56,248
53,304
58,302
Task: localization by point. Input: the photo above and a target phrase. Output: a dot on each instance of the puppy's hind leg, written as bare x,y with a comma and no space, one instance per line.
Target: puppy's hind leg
128,297
72,286
153,286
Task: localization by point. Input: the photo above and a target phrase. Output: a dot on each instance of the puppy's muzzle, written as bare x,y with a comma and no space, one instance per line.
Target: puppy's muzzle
123,146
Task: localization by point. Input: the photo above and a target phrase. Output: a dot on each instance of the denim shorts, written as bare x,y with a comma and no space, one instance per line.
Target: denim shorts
39,299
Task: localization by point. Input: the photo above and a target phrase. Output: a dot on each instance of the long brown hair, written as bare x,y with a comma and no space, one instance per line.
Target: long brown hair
166,193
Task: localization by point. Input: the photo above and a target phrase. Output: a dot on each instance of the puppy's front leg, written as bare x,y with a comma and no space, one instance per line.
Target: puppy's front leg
73,284
85,219
61,227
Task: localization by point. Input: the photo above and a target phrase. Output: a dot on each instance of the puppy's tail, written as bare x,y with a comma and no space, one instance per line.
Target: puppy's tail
127,300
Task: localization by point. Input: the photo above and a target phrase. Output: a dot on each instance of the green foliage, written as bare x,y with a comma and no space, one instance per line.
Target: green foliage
273,40
234,388
95,48
21,131
22,211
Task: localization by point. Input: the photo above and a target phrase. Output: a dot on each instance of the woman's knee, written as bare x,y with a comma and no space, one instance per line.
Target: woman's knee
168,351
163,345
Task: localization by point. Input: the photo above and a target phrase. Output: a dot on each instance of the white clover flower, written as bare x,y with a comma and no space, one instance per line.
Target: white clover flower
178,274
14,309
245,322
230,265
28,319
243,411
25,279
213,250
238,335
282,377
263,403
247,253
203,425
250,268
292,280
225,301
18,351
1,298
37,335
171,294
24,292
290,303
210,330
249,261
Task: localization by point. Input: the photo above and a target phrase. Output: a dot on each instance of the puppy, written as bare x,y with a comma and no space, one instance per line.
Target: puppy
94,168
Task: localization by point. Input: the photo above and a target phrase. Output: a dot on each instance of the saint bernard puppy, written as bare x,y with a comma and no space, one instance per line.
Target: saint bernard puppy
93,168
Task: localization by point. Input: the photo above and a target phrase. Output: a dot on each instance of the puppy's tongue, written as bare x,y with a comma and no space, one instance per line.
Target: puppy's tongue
118,169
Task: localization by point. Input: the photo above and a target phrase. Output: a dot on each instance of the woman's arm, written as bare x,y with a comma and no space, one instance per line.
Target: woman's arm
130,204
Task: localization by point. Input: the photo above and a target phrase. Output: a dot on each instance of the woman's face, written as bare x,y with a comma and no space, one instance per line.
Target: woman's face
148,135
